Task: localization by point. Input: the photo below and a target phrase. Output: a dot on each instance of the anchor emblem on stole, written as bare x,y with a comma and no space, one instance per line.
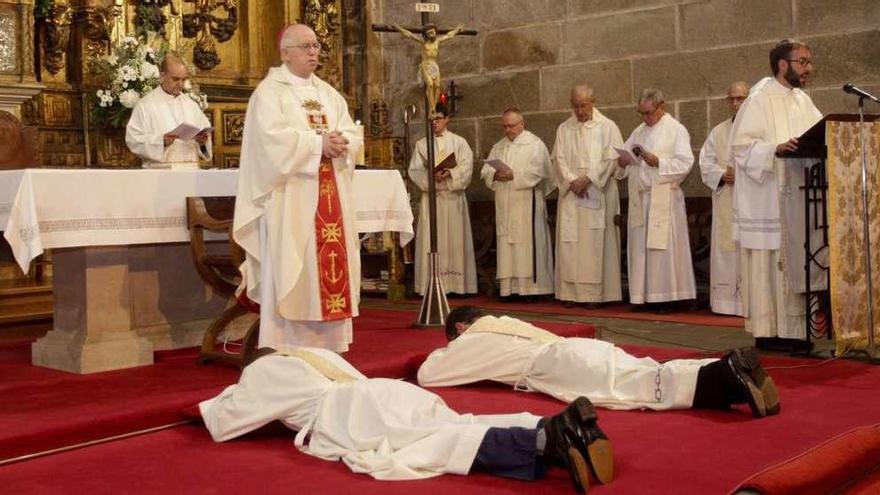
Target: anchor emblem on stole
333,275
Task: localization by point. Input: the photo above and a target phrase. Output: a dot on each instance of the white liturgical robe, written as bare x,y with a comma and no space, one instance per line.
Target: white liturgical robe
524,260
769,209
455,242
275,210
659,261
587,239
724,278
513,352
158,113
389,429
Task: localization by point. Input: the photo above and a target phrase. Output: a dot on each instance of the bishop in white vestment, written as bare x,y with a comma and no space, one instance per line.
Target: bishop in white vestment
293,211
523,249
768,202
659,263
148,133
455,243
587,239
528,358
718,175
392,429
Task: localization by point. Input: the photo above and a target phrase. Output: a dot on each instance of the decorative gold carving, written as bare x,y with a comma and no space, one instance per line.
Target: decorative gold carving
379,123
233,127
56,30
58,110
207,27
9,40
98,23
230,161
111,149
323,17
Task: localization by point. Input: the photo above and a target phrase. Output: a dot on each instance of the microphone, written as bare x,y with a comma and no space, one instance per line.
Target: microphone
861,93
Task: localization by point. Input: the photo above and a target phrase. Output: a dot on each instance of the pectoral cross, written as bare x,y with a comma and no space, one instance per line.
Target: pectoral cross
434,307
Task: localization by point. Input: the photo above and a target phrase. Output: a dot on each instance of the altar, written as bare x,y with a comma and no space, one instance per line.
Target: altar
124,281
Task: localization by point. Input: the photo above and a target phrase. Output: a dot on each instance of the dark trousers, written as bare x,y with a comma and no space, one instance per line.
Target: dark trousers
511,453
717,387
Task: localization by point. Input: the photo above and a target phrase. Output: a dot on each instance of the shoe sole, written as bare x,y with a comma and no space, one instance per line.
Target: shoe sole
580,471
743,363
601,460
763,381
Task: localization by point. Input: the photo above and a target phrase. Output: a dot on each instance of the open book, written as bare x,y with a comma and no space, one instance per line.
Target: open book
630,157
186,132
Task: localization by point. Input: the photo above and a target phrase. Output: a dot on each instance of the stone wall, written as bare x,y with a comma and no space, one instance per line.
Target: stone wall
530,52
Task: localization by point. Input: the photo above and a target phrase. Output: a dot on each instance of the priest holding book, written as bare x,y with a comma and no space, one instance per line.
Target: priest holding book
167,129
455,245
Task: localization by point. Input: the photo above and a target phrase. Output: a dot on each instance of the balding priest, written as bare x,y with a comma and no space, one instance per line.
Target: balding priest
293,212
769,203
587,239
518,172
151,132
719,176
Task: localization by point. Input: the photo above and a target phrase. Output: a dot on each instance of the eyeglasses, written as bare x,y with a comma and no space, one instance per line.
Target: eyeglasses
306,47
511,126
647,112
802,61
736,98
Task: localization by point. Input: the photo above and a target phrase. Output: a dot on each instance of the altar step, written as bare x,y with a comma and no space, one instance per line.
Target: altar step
25,303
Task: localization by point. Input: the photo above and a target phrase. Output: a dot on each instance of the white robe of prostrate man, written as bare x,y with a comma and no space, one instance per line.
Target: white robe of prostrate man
587,239
389,429
524,257
724,280
659,263
455,242
158,113
275,210
516,353
769,208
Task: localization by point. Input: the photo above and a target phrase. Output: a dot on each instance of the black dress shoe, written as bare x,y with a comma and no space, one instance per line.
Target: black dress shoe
754,383
573,437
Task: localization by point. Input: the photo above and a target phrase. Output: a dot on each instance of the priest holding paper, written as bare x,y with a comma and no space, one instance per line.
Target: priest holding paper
455,244
587,239
518,172
656,158
768,203
168,129
293,213
718,175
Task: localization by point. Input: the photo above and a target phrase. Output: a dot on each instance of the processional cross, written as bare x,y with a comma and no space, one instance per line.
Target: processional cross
434,307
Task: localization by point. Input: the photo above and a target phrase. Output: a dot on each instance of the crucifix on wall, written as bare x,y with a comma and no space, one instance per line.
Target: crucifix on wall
434,307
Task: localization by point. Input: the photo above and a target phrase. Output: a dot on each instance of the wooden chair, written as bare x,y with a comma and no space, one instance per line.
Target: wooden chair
220,271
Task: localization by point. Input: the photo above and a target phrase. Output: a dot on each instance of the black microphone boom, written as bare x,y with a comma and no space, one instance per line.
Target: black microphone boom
861,93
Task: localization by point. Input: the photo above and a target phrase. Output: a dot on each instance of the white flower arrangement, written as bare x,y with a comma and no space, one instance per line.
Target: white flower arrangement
131,71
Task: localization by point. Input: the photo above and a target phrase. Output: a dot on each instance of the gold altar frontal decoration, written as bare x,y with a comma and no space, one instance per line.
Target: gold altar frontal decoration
846,238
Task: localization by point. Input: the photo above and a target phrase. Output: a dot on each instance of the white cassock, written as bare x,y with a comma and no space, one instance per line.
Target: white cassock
518,354
658,255
389,429
587,239
724,279
158,113
455,242
769,210
275,210
524,259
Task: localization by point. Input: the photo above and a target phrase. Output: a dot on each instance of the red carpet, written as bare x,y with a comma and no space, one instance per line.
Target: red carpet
612,310
44,409
669,452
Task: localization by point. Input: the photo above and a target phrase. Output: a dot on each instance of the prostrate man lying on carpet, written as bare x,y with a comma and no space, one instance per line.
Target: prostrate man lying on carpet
394,430
513,352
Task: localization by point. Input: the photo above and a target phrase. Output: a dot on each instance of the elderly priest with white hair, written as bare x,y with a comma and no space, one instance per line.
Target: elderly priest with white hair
151,132
293,212
659,159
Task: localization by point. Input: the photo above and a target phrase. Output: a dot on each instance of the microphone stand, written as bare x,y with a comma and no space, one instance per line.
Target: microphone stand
871,350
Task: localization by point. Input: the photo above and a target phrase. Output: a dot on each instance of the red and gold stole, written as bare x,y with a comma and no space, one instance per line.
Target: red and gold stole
332,255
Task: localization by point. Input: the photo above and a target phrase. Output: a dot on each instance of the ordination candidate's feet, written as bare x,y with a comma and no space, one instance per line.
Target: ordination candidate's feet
754,384
575,440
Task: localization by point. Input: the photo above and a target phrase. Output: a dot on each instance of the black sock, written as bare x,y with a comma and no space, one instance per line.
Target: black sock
712,391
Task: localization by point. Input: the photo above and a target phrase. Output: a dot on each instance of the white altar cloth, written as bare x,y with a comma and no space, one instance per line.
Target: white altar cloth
57,208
